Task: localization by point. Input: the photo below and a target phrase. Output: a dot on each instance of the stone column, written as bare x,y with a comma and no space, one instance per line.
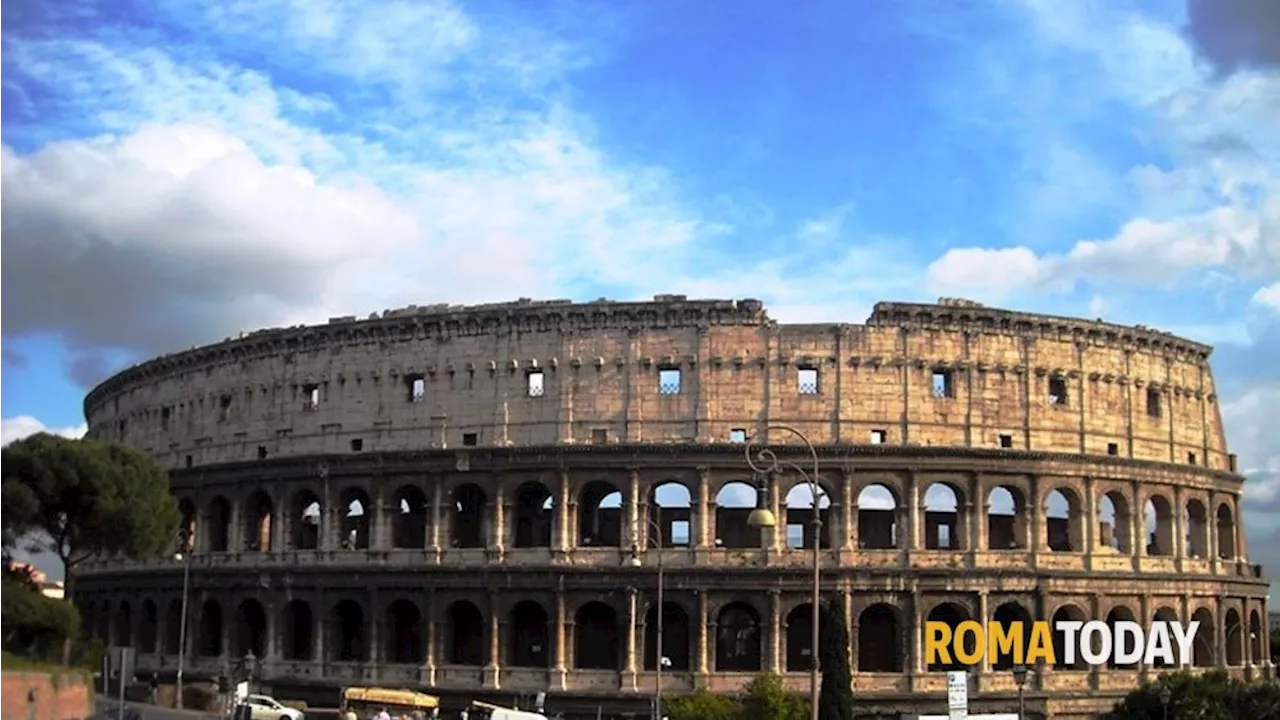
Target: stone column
493,671
319,651
774,662
1239,528
1146,613
704,636
629,669
631,533
435,532
1137,522
235,543
981,531
1091,540
914,513
560,671
984,616
383,517
706,512
280,509
377,623
498,530
849,514
1179,525
433,639
1038,542
917,633
563,514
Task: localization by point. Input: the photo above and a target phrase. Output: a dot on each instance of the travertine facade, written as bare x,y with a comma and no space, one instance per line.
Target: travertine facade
380,501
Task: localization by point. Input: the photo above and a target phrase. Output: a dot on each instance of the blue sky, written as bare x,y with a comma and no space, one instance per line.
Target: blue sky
177,171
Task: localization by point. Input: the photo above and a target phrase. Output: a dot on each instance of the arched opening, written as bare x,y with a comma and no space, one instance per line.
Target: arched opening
1197,530
187,526
258,516
596,644
600,515
409,530
799,634
738,639
210,642
104,622
1067,613
880,640
1204,648
1008,615
1226,532
799,515
1113,522
1159,523
535,515
148,628
675,637
951,614
251,635
944,525
1006,518
466,634
1119,614
219,523
305,518
1255,638
734,503
298,629
1063,513
671,509
877,518
357,521
173,627
404,641
122,635
1168,615
349,641
530,644
469,503
1235,648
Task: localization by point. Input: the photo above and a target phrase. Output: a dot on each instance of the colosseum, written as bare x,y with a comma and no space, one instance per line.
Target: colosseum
481,502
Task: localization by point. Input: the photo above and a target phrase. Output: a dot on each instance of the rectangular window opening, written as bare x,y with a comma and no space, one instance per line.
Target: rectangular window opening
534,383
943,383
417,388
165,414
224,408
599,436
262,452
311,397
357,445
669,381
1006,441
1191,458
1113,449
190,461
879,437
795,536
1058,391
737,435
1153,402
470,439
808,380
679,533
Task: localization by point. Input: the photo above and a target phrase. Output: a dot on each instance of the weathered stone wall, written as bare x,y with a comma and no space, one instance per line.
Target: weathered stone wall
248,398
41,696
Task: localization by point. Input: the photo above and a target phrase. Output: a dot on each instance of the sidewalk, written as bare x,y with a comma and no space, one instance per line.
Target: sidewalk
107,709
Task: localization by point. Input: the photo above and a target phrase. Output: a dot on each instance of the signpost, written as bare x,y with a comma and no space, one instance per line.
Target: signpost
958,695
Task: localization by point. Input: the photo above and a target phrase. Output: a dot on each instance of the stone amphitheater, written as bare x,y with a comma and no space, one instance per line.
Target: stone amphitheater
479,501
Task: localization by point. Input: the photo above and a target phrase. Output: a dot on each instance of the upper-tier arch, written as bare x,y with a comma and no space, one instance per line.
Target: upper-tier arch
530,373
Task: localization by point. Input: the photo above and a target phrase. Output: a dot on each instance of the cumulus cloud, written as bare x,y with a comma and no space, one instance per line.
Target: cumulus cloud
21,426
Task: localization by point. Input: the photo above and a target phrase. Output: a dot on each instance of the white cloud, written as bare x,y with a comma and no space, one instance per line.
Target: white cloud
1252,418
21,426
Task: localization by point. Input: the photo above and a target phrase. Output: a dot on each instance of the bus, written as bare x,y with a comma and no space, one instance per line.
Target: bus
399,703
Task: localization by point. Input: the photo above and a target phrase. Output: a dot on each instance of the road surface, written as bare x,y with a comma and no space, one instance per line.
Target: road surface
108,709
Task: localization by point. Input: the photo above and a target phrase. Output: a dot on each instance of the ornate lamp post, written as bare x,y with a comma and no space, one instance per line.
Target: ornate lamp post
765,462
655,541
1020,677
185,550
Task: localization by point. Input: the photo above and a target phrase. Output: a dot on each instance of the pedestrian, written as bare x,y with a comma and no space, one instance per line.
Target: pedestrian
154,690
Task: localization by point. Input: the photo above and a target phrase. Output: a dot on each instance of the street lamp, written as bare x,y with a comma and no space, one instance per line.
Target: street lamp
1165,696
186,549
655,540
765,462
1020,677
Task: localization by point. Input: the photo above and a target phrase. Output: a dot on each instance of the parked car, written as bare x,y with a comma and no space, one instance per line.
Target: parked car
265,707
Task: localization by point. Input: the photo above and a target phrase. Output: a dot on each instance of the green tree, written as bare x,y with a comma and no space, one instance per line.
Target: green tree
1212,696
702,705
35,625
79,498
767,699
836,699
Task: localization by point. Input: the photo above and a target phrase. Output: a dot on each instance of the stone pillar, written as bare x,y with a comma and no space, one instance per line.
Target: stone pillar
1038,542
383,517
498,529
917,633
1211,529
774,662
631,533
433,638
320,653
235,543
981,530
1091,540
776,538
493,671
1146,613
563,514
377,626
984,617
280,509
849,514
1238,527
436,534
1179,525
629,669
914,513
706,512
560,671
704,636
1137,522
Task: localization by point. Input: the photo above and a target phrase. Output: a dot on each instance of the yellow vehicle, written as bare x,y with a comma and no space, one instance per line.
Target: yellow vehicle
366,701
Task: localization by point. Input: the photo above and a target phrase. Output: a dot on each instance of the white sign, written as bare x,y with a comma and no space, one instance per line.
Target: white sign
958,695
